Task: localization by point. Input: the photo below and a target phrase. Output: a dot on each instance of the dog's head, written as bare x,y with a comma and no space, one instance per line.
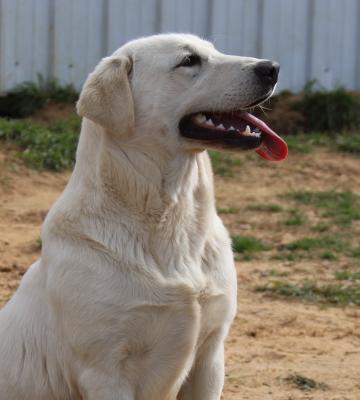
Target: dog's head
178,89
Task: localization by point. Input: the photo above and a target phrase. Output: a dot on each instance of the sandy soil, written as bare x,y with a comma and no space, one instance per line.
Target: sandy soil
270,339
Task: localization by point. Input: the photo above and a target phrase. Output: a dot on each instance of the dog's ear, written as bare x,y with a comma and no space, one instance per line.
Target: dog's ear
106,97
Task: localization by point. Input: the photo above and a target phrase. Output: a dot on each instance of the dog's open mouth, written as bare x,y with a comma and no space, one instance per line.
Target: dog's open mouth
237,130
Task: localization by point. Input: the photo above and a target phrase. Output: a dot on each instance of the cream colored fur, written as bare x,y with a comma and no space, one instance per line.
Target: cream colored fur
135,289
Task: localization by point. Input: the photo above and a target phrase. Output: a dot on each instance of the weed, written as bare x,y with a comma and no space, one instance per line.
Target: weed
276,273
223,163
28,97
50,147
267,207
321,227
347,276
348,143
296,218
328,255
248,244
304,143
355,252
343,207
302,383
228,210
322,242
286,255
38,244
328,111
336,295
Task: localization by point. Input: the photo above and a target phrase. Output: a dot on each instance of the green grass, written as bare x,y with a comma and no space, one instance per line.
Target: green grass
224,164
306,384
43,147
328,255
305,143
320,227
266,207
279,274
296,218
348,143
355,252
248,244
228,210
342,207
347,276
26,98
336,295
321,242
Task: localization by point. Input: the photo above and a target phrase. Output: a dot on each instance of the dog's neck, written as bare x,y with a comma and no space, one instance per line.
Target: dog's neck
142,176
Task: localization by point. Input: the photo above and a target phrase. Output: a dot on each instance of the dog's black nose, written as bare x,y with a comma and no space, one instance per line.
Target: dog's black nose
267,71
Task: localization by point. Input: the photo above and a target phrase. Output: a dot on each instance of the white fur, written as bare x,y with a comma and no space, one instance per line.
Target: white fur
135,289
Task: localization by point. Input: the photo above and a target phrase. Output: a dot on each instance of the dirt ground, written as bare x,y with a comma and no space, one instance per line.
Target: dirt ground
271,339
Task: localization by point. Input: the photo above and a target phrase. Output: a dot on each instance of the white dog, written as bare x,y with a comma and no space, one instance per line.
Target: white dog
135,289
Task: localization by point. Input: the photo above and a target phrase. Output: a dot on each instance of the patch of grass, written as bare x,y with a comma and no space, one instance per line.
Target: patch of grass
266,207
303,383
248,244
223,163
328,255
28,97
305,143
228,210
296,218
348,143
278,274
321,242
286,256
343,207
328,111
38,243
321,227
347,276
355,252
42,147
335,295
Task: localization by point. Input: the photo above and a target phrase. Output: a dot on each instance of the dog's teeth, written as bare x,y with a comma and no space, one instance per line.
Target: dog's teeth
209,122
247,131
231,128
221,126
200,118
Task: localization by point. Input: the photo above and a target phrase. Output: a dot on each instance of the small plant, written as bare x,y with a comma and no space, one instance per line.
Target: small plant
321,242
248,244
267,207
303,383
328,111
347,276
328,255
223,163
26,98
42,147
348,143
295,218
335,295
228,210
343,207
278,274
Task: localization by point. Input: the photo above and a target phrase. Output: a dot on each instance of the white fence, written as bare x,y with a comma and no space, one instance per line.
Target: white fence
64,39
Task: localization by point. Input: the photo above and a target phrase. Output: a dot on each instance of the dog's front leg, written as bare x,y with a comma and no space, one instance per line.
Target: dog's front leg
206,378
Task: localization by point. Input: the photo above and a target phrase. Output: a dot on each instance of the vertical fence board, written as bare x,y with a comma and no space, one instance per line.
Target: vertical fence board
41,39
7,43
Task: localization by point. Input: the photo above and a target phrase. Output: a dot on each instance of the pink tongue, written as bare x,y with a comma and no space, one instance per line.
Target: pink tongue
272,147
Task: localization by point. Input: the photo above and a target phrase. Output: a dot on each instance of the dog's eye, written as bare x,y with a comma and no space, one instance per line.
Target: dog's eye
190,61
